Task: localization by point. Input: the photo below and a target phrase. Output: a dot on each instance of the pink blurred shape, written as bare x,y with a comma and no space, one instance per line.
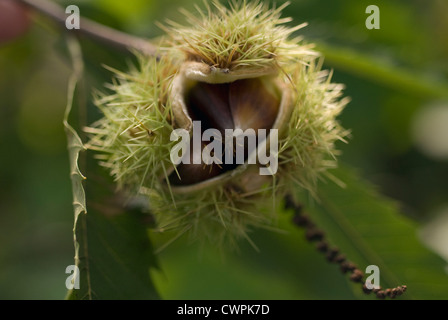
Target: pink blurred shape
14,20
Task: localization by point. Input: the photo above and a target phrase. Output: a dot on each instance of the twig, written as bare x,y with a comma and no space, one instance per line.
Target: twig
92,29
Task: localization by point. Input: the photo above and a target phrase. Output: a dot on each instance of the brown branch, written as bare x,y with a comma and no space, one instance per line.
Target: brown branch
333,255
92,29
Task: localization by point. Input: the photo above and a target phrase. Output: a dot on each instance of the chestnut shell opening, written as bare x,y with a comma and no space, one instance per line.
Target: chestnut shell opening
243,104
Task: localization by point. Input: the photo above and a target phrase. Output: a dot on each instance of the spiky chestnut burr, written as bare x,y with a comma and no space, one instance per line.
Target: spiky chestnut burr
229,69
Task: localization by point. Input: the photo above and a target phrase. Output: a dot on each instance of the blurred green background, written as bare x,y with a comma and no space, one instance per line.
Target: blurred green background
399,129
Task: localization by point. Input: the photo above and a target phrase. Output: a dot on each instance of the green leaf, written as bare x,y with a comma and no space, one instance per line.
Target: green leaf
115,254
112,249
381,72
365,225
370,230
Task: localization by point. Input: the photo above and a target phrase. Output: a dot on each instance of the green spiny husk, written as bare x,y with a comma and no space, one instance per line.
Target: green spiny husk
133,137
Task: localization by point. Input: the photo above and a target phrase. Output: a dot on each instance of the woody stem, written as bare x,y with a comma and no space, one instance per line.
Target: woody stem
91,28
